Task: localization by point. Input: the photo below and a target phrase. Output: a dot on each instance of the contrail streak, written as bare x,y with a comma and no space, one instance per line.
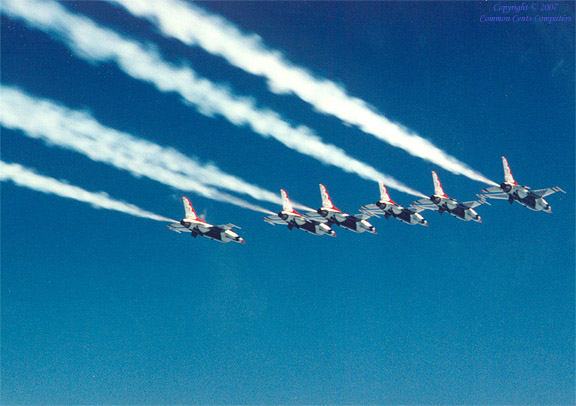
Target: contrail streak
80,132
25,177
141,62
195,26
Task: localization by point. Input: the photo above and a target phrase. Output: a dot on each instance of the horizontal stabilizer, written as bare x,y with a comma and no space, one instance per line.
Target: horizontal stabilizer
362,216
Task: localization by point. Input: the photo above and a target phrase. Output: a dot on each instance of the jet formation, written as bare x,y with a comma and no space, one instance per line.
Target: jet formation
321,221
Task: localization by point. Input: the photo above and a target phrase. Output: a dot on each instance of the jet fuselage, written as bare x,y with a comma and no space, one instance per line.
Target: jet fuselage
352,223
303,223
456,209
525,197
200,228
401,213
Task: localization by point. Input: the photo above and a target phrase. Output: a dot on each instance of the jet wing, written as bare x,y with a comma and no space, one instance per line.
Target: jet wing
424,204
414,209
274,219
362,216
499,195
548,191
492,189
475,203
371,210
228,226
179,228
316,217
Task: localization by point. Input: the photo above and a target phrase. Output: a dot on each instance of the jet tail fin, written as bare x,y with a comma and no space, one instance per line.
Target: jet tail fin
286,205
438,191
508,178
384,196
326,201
190,213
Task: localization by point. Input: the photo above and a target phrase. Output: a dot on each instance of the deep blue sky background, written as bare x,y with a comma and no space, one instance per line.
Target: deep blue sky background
102,308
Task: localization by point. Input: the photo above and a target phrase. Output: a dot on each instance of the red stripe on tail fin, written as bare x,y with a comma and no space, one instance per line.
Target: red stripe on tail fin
326,201
190,213
286,205
384,196
508,178
438,190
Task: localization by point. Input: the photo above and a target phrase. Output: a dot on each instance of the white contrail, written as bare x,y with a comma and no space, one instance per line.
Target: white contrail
25,177
98,44
195,26
80,132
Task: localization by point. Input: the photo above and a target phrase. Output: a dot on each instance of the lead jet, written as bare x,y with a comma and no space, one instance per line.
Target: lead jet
463,211
328,212
296,220
196,226
386,206
512,191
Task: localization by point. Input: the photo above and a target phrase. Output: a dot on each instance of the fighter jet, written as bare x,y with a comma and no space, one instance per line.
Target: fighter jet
296,220
386,206
463,211
512,191
356,223
193,224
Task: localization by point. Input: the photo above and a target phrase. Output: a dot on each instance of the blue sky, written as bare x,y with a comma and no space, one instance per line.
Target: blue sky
99,307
